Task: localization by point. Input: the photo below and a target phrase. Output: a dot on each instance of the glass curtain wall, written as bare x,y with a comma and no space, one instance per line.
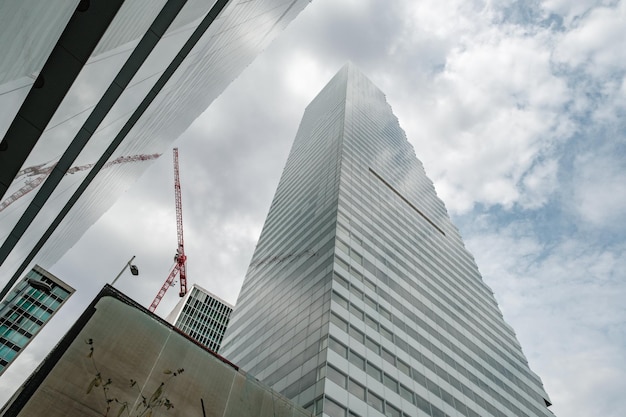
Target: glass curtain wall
161,100
361,299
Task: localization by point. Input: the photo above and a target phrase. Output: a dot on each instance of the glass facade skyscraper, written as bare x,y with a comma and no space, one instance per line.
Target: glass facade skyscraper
361,299
203,316
31,304
92,91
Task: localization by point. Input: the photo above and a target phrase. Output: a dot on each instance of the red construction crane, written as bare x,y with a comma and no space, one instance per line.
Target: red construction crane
180,267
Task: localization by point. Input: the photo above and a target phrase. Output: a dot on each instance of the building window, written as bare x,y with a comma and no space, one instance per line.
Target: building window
333,409
370,284
358,293
375,401
338,347
343,246
374,372
370,302
340,300
386,334
403,367
356,274
357,360
371,322
339,322
373,346
336,376
391,383
422,404
384,312
356,257
342,263
356,389
342,280
357,334
357,312
406,394
388,356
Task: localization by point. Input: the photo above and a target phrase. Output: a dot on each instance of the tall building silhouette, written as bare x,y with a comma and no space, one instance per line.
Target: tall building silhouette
361,299
92,91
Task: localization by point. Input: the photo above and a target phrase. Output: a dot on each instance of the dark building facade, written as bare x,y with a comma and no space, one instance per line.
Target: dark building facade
31,304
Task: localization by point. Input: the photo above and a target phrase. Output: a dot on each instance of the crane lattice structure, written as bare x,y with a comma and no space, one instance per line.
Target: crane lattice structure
36,174
180,259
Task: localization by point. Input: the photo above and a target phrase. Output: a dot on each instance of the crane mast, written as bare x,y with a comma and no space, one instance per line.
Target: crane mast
180,259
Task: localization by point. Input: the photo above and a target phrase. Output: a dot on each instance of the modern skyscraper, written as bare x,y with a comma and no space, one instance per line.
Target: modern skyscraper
203,316
31,304
361,299
90,91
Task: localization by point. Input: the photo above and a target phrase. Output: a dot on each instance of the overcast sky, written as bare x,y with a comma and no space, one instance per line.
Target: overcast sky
516,110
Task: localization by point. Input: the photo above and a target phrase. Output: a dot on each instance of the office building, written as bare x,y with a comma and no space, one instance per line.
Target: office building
120,360
31,304
361,299
92,91
203,316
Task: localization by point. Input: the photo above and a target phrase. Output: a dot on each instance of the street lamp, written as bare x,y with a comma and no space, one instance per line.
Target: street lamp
133,270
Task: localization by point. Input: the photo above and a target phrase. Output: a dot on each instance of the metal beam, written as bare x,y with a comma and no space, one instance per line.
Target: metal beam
68,57
210,17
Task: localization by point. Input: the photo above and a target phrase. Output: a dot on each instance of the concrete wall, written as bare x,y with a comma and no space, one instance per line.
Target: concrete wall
91,373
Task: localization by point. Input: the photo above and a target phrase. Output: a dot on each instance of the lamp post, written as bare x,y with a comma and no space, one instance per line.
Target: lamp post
133,270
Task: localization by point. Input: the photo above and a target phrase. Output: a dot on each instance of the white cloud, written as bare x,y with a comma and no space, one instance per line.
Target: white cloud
610,105
496,98
565,302
597,41
571,11
305,66
443,20
600,190
538,184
